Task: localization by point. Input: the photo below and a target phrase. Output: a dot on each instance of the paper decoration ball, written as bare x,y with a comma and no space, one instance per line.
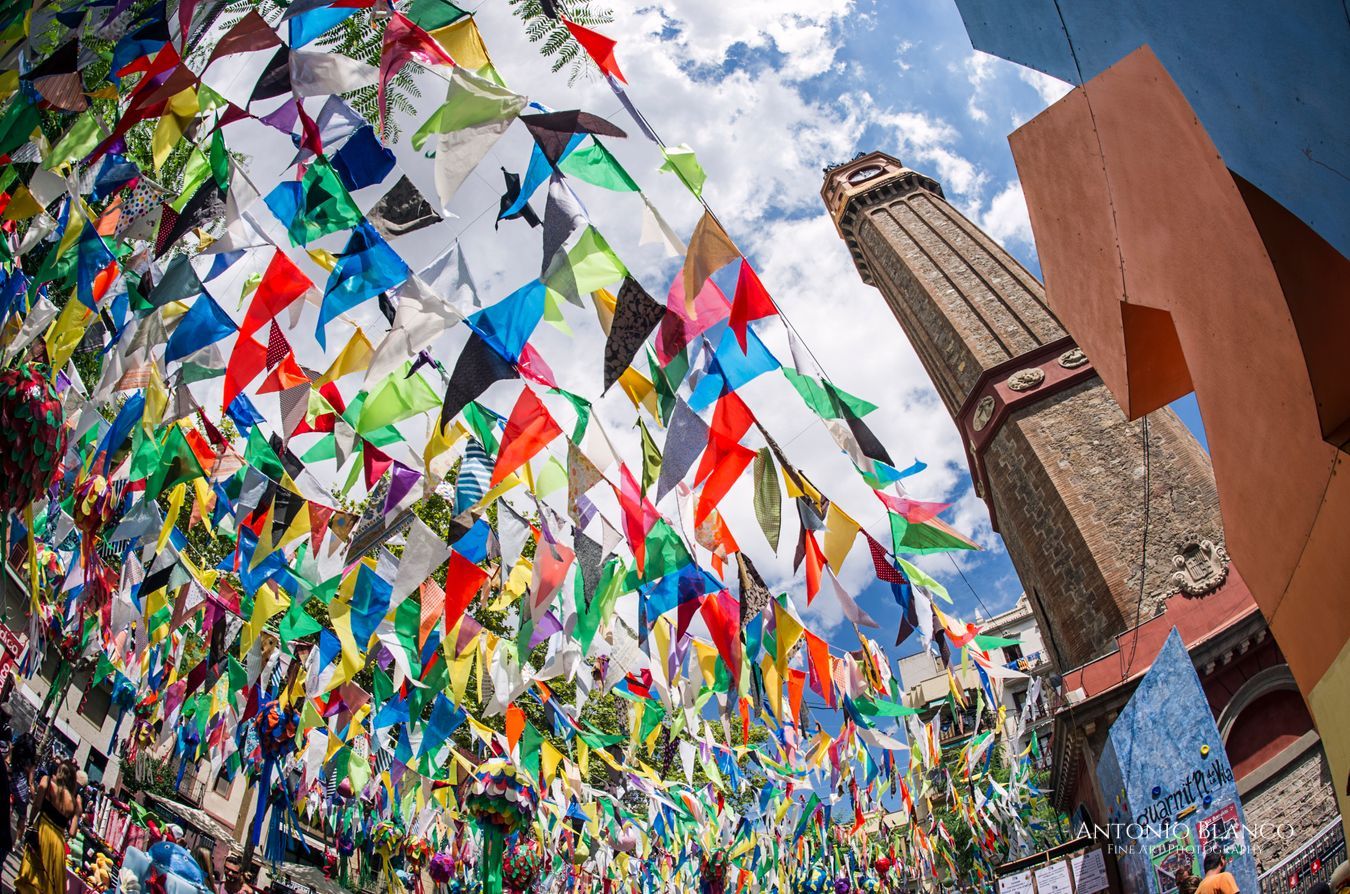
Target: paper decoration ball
32,435
501,797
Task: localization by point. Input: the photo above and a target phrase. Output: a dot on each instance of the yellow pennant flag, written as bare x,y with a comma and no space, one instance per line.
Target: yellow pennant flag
789,631
354,357
549,758
840,533
178,113
67,332
176,497
464,43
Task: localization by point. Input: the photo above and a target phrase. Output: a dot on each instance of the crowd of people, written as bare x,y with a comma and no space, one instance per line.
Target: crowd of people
44,801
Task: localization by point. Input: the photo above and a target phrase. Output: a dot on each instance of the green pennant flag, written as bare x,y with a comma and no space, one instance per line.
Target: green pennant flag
407,623
582,407
681,161
325,205
928,537
381,686
590,264
481,423
651,458
597,167
398,397
84,134
667,380
531,741
432,14
18,123
195,172
220,159
295,624
176,464
653,713
768,497
665,553
985,643
825,399
258,454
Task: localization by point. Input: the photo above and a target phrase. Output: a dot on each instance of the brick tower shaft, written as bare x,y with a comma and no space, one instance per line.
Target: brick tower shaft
1063,472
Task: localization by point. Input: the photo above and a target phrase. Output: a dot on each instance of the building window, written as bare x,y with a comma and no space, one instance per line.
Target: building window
95,766
1012,653
96,704
223,784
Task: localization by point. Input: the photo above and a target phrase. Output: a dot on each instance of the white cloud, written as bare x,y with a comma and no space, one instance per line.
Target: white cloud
1006,218
1048,88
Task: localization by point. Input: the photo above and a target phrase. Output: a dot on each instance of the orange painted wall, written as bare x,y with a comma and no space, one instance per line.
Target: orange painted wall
1156,265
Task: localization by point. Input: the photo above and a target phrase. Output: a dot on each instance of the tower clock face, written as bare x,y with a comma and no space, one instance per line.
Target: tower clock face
863,174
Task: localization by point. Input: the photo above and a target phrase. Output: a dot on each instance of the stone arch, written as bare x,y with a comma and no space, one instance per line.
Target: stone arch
1271,679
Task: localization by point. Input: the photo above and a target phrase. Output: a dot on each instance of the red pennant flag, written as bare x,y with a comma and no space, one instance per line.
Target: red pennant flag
916,512
815,563
796,689
818,661
728,460
374,462
249,35
599,47
462,580
722,613
527,432
282,283
404,42
433,605
318,525
638,515
247,360
752,302
731,420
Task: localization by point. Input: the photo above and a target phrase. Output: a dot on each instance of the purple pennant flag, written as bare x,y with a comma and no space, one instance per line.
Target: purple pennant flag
544,628
401,481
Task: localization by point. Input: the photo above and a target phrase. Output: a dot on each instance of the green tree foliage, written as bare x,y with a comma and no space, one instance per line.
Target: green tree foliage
557,43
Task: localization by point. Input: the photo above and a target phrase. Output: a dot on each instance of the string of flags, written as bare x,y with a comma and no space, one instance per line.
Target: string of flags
419,597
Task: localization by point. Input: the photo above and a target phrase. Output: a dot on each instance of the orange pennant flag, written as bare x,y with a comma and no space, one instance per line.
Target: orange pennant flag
515,725
527,432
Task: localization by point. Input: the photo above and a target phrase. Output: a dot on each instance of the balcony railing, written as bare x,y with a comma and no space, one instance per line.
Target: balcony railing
1310,864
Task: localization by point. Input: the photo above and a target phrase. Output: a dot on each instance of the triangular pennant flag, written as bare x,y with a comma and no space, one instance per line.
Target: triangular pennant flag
528,430
636,315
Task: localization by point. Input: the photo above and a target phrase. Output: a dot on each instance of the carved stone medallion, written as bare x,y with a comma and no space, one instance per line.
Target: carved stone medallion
1072,358
1201,565
984,411
1026,379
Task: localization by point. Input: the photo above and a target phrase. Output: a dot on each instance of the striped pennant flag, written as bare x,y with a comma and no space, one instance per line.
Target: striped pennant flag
475,472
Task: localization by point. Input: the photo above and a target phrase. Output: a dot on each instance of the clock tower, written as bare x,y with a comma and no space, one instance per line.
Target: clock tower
1103,518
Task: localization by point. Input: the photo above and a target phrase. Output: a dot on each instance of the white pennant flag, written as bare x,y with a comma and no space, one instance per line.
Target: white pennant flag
421,317
323,74
475,115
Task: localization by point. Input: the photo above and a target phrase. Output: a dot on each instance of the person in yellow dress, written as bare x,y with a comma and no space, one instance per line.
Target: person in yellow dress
56,813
